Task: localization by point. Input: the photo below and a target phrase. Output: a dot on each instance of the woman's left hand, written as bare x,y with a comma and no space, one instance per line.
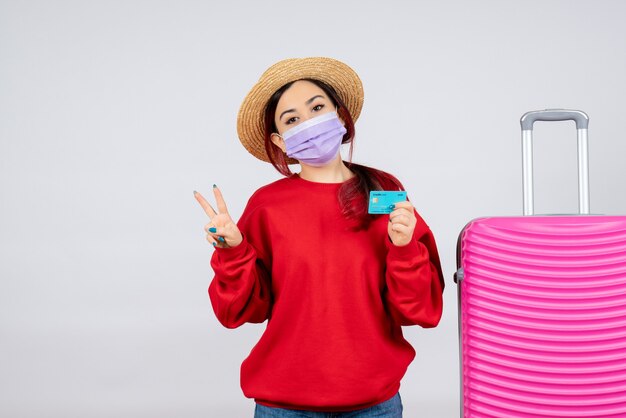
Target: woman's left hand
402,222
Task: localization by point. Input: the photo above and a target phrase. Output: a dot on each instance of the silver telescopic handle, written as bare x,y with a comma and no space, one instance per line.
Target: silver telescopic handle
582,124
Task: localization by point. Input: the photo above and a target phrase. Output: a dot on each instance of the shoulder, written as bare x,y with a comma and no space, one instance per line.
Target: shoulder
269,190
385,180
270,193
392,181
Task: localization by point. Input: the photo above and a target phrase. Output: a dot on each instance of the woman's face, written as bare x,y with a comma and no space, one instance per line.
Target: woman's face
303,100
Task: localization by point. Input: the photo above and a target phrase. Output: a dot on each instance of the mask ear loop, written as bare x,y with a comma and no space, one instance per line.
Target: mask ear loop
337,112
281,137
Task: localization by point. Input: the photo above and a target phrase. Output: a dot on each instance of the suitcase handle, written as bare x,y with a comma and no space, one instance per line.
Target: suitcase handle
551,115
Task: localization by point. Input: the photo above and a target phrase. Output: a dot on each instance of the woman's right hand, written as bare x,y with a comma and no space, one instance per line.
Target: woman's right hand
221,230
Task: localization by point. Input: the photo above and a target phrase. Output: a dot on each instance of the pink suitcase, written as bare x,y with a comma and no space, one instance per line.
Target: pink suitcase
542,305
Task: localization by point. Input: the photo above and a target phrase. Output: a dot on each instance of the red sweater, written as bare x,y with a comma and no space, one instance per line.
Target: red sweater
334,299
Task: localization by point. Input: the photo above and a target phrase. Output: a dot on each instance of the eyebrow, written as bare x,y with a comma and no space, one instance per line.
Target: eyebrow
308,102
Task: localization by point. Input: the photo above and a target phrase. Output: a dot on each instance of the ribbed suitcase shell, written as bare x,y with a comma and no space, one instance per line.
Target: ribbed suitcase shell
542,316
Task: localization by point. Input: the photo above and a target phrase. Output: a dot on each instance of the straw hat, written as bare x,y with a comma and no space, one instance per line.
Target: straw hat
250,124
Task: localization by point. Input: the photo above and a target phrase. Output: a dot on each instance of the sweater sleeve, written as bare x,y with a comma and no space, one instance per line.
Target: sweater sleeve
414,279
240,291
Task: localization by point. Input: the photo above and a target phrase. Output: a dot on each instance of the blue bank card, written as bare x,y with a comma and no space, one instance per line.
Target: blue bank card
382,202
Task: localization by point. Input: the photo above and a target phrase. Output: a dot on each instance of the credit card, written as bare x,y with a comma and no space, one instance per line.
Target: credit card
382,202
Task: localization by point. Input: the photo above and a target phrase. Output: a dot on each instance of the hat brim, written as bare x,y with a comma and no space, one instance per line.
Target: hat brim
250,120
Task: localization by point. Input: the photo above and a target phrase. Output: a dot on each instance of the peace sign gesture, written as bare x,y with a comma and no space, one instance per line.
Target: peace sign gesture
221,231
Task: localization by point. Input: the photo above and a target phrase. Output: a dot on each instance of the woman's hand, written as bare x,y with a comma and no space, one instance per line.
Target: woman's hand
221,231
402,222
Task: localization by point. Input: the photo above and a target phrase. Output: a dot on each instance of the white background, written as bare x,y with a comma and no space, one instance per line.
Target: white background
113,112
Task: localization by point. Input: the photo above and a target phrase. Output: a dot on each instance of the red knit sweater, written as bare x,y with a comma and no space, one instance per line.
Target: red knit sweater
334,299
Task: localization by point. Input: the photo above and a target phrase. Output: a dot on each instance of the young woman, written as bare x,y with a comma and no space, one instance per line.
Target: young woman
334,282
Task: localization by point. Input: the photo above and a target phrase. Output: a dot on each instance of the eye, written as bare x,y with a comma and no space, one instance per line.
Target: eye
291,120
318,107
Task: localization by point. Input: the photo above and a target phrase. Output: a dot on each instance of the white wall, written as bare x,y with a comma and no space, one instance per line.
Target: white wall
113,112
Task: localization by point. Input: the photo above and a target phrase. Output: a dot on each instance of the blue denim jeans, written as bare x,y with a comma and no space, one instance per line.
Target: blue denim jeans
391,408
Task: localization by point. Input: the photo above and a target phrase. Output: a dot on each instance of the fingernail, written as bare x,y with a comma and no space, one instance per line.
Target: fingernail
392,206
214,230
221,239
214,244
194,192
214,186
